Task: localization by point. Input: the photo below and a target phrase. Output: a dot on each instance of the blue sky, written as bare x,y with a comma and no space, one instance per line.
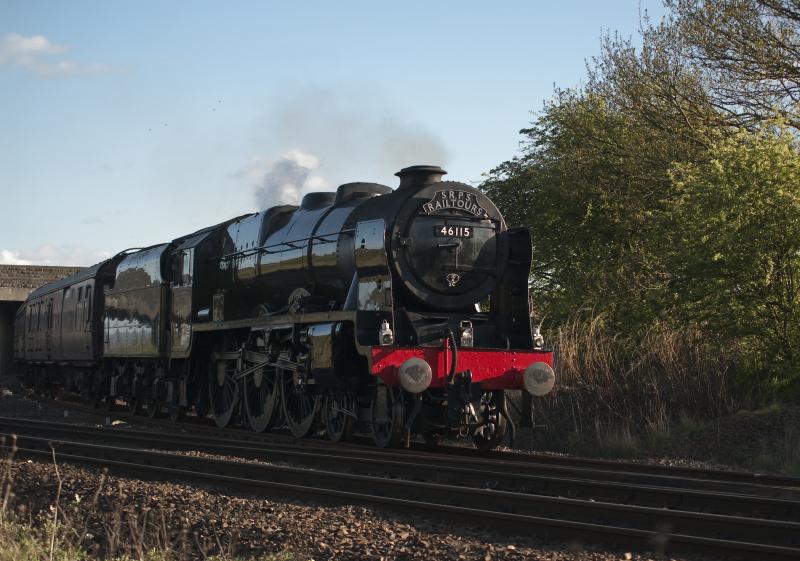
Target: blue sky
129,123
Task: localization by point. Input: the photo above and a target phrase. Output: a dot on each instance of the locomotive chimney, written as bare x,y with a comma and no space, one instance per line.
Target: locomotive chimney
416,177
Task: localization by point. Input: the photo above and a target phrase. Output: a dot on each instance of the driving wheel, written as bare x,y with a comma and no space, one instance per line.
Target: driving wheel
340,413
223,390
299,404
386,416
261,398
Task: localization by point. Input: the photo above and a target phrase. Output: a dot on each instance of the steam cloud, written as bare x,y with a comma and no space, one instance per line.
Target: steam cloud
287,179
353,125
345,133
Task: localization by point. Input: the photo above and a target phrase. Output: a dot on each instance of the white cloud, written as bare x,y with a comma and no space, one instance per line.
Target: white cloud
37,54
284,180
22,50
8,257
54,255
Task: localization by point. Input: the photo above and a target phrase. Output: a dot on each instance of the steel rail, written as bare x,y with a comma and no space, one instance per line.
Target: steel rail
670,493
514,513
539,460
716,474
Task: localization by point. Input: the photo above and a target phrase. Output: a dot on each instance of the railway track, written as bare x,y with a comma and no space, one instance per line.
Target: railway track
244,435
645,489
408,482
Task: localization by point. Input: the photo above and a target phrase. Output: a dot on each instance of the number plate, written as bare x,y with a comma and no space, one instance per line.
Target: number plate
444,231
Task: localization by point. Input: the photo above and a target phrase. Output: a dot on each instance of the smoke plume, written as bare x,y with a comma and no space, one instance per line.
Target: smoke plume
284,180
345,134
353,126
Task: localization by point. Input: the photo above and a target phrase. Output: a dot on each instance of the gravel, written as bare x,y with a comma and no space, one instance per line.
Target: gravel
198,521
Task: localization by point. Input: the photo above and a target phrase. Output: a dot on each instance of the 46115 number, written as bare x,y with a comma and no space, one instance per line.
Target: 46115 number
452,231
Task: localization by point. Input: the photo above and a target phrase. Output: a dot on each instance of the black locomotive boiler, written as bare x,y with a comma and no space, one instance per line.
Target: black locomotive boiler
397,311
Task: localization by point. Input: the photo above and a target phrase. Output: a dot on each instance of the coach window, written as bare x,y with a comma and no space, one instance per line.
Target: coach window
88,306
77,305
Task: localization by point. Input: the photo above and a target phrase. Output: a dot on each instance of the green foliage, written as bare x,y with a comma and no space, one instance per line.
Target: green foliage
26,542
739,215
22,542
594,189
664,192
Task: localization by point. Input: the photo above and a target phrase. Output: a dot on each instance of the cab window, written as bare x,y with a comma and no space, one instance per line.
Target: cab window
186,262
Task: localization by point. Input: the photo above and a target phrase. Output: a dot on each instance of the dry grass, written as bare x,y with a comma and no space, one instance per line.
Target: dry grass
612,390
669,392
67,534
782,455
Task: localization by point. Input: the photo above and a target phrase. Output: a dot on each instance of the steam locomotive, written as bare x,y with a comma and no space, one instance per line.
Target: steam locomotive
398,312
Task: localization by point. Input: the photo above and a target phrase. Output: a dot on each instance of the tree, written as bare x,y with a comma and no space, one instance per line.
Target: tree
740,228
593,186
749,51
664,189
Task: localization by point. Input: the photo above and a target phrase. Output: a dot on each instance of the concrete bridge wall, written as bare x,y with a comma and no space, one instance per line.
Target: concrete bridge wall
16,282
